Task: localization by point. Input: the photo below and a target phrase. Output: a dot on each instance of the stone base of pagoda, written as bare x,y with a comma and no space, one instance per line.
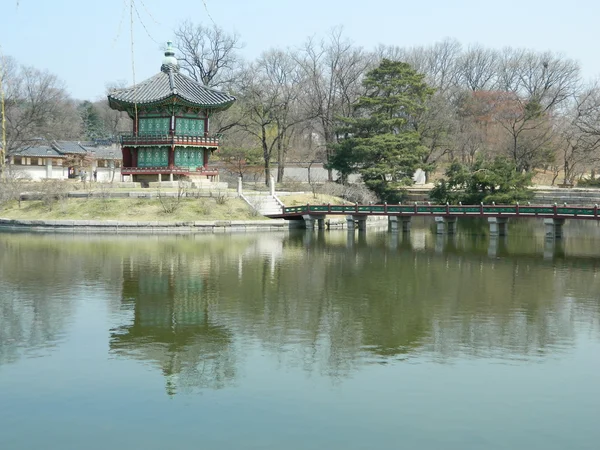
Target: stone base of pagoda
170,174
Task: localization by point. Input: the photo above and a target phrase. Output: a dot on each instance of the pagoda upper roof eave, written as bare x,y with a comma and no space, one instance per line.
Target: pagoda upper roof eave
121,105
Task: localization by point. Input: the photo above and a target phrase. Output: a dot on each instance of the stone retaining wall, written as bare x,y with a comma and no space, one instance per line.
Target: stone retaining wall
25,196
541,196
569,196
119,227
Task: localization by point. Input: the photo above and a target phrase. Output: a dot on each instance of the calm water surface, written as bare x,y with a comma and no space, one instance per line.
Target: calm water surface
301,341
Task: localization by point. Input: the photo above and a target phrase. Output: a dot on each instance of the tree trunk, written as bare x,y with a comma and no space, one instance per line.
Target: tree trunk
266,155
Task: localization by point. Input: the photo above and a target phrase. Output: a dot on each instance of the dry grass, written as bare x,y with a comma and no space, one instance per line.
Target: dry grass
304,198
129,210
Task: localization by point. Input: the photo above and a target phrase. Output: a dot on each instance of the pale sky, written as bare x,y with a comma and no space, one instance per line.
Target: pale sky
86,43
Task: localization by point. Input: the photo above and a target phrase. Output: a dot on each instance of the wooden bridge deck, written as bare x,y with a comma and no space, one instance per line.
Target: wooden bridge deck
533,211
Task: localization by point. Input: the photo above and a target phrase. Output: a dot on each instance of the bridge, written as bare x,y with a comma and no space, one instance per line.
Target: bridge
399,216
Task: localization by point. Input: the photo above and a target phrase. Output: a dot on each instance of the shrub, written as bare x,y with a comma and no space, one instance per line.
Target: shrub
483,181
170,204
589,182
53,191
352,192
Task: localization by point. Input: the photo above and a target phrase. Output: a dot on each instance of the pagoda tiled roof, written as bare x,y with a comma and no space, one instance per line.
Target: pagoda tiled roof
166,84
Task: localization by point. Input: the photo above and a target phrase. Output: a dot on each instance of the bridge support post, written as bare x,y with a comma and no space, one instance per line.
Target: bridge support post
498,226
445,225
553,249
171,177
554,228
396,223
362,223
497,245
309,221
351,222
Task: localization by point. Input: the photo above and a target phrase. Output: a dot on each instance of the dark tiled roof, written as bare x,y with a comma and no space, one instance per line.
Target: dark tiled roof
170,83
104,152
44,151
62,149
73,147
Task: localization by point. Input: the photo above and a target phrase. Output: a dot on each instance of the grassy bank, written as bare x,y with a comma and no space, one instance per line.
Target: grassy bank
132,210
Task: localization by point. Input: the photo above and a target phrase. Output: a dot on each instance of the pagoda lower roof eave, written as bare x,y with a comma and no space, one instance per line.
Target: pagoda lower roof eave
163,144
166,140
122,105
202,171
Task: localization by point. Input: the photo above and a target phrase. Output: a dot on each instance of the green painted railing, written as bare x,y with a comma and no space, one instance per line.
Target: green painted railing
446,210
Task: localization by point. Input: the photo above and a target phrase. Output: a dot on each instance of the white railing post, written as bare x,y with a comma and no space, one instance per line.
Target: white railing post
272,185
239,186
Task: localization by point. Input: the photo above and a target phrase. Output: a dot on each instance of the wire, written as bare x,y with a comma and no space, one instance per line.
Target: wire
142,22
131,8
208,13
120,23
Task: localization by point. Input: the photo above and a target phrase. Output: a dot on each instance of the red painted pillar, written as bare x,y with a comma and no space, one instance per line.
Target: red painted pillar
172,157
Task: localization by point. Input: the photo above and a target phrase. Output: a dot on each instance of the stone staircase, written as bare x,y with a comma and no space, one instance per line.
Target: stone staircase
263,202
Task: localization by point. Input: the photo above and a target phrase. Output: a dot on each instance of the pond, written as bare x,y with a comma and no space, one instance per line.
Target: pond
301,340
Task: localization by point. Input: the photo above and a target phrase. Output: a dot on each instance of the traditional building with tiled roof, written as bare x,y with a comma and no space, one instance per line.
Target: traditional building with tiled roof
170,114
40,159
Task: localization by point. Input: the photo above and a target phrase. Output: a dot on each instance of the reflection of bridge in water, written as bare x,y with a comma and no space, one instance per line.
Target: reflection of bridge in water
469,245
399,216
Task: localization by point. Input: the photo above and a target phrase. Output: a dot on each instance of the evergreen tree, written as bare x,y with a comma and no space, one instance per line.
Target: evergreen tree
483,181
379,142
93,127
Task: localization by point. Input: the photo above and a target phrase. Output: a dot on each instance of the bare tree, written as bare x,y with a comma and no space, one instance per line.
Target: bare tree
477,68
333,68
576,151
579,133
36,106
437,126
114,122
534,88
269,105
588,110
439,62
441,69
208,53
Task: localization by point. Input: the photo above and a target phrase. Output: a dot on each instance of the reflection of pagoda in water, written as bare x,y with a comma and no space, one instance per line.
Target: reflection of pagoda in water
171,328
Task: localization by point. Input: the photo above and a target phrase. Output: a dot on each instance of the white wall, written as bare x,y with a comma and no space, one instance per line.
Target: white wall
37,173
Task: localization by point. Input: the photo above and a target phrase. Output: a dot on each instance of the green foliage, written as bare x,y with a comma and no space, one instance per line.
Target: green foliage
93,127
380,144
589,182
483,181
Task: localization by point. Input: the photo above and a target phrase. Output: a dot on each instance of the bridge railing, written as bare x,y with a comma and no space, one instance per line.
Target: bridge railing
447,210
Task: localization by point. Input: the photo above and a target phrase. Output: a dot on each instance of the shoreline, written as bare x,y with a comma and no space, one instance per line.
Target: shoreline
145,227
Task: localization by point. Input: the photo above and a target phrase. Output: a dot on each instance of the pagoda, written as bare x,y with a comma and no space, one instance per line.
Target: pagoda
170,114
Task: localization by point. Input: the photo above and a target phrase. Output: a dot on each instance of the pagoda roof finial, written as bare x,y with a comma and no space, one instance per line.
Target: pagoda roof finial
169,63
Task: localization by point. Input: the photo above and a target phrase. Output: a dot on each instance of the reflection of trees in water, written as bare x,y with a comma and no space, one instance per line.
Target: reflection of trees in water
171,326
340,303
37,279
318,301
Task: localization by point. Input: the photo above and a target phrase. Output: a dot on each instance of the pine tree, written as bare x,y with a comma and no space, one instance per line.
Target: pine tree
380,142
